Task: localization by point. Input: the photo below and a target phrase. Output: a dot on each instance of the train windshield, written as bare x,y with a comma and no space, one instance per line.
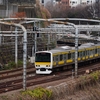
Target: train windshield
42,57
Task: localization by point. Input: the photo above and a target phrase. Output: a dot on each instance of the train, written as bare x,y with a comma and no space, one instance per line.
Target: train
46,61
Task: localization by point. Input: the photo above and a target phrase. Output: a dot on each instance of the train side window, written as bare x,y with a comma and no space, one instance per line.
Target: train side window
56,58
97,50
64,56
83,53
61,57
91,52
53,58
86,52
73,55
69,56
78,54
94,51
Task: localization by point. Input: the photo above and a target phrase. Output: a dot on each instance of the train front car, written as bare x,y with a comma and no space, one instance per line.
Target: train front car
43,62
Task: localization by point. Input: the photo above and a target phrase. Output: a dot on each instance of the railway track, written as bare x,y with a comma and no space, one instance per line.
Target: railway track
15,73
34,79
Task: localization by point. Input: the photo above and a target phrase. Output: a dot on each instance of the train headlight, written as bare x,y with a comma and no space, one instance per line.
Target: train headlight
47,65
37,65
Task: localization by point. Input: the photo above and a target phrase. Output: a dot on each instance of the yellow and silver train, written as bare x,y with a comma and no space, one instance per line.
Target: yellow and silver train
46,61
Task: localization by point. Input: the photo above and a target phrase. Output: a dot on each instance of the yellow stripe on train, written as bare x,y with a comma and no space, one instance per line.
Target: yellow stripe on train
83,58
42,63
61,62
79,59
91,56
87,57
69,61
96,55
54,63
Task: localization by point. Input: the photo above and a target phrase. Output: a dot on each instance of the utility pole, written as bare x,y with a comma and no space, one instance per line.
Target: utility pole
6,8
98,8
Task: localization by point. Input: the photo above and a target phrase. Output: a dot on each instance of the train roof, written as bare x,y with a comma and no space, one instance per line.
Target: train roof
68,48
60,49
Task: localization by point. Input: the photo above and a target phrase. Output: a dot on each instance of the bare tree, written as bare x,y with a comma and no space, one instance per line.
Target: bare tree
81,11
56,10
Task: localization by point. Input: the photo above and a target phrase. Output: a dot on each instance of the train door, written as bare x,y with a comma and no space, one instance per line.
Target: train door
57,59
80,53
96,52
61,60
65,57
78,56
73,56
83,55
91,53
86,53
69,60
54,60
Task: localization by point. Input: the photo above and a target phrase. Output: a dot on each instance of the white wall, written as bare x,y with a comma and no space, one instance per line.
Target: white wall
87,1
1,2
74,3
46,1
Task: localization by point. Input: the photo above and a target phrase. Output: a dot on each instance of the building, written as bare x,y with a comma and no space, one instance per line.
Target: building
44,2
7,9
64,4
68,3
74,3
87,2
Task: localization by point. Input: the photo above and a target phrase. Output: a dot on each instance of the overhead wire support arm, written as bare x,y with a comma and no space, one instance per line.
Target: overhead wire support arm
24,48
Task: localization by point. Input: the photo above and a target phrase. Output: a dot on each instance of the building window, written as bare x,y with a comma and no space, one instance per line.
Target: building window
87,2
42,1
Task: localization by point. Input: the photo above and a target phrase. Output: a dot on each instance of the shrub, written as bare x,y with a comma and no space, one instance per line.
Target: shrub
19,63
96,75
10,65
39,93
